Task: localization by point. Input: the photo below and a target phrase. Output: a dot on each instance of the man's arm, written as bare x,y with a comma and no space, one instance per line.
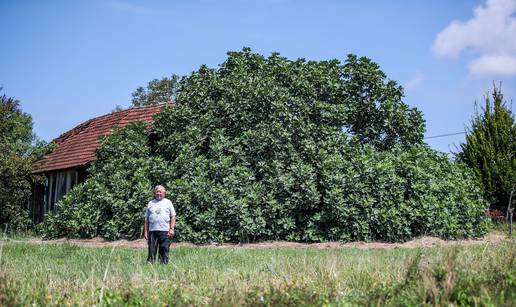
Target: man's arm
172,226
145,228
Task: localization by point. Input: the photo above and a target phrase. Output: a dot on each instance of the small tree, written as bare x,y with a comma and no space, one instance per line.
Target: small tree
490,147
157,91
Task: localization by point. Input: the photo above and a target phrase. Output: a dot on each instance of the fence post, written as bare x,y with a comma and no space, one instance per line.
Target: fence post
510,210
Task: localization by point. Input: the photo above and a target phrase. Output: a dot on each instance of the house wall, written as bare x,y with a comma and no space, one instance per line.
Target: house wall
57,184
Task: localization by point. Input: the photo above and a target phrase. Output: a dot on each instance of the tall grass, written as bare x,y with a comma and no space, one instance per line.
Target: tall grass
60,274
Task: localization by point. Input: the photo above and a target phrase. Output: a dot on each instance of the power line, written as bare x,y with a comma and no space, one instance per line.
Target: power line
443,135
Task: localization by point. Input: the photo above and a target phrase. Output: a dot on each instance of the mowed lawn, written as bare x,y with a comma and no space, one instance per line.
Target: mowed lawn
61,274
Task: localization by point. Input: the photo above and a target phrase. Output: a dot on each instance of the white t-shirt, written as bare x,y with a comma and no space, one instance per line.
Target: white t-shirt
159,213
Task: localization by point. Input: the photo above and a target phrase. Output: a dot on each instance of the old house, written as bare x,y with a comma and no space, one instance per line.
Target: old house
67,164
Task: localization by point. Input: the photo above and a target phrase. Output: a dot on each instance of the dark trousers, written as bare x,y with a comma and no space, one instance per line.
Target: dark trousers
158,240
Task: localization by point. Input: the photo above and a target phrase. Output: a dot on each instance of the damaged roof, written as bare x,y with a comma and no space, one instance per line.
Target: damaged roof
77,146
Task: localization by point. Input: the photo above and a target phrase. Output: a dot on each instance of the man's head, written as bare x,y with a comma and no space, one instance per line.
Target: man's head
159,192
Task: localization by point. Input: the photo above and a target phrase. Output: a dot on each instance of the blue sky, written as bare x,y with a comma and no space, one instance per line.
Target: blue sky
68,61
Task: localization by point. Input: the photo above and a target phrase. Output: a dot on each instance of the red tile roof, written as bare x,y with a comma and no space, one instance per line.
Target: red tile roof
78,146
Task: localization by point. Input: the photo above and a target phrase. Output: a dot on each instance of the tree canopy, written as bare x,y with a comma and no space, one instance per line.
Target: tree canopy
16,139
490,149
15,127
266,148
257,143
157,91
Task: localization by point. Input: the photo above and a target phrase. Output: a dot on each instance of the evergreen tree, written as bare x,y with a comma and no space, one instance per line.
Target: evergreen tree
490,147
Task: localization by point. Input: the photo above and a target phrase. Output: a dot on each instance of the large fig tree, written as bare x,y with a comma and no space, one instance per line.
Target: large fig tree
273,149
252,143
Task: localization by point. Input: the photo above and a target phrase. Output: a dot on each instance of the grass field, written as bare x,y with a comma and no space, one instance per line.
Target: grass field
62,274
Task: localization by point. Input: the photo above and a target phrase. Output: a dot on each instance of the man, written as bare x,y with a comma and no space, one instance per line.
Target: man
158,226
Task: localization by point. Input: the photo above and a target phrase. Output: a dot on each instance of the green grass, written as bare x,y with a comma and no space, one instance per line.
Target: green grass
503,227
61,274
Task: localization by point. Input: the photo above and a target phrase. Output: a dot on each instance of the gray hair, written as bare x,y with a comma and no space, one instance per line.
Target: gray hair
159,187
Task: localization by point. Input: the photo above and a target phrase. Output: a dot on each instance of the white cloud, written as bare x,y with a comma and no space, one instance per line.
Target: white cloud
490,36
494,65
415,82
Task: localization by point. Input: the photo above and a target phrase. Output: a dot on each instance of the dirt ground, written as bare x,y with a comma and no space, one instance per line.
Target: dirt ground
492,238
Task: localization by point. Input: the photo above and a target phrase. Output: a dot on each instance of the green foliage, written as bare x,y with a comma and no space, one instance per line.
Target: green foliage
490,147
15,127
376,114
397,195
268,148
273,149
111,202
18,149
157,91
